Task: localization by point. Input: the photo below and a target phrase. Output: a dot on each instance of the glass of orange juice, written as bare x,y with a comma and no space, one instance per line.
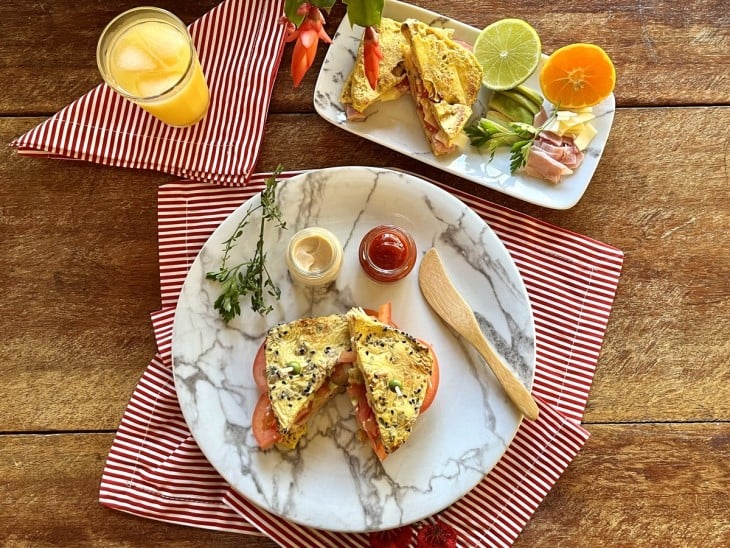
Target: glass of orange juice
147,55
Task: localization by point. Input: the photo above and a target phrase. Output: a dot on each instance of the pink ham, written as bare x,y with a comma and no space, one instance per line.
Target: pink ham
564,152
353,115
542,165
552,156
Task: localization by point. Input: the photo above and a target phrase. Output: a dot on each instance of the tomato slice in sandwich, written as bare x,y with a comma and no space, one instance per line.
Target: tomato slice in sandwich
433,382
263,424
366,418
259,368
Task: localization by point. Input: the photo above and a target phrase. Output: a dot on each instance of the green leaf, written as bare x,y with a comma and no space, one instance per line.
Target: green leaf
324,4
365,13
290,10
247,278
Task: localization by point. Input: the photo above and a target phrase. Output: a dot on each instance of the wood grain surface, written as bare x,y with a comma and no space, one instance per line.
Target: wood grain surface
78,243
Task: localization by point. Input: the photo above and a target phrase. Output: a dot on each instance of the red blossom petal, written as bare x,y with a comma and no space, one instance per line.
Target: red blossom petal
392,538
372,55
311,54
299,63
324,36
308,37
436,535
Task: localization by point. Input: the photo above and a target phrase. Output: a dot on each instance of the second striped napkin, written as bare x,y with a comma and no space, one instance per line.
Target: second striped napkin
156,470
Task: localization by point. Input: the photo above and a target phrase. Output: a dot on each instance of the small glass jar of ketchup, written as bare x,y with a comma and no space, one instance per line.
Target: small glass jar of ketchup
387,253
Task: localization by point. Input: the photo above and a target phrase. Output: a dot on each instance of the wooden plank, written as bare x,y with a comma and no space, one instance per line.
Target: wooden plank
650,484
657,363
80,277
640,485
49,56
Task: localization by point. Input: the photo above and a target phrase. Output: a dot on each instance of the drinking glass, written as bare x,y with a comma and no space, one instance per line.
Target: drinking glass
147,55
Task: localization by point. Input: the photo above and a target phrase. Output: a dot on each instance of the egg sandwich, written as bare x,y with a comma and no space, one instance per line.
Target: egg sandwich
445,79
390,382
357,94
387,373
304,371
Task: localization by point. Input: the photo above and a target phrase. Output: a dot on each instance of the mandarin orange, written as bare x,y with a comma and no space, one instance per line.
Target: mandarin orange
577,76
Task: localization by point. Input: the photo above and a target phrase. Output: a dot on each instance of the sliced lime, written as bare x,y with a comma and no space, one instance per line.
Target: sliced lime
509,51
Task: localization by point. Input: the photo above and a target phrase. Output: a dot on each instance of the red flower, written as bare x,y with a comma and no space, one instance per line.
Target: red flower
436,535
373,56
392,538
307,36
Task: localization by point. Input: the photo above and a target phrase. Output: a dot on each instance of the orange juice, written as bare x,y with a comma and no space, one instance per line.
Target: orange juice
147,55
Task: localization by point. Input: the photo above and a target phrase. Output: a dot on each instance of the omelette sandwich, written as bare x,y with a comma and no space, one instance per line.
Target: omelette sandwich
445,79
388,386
357,94
303,372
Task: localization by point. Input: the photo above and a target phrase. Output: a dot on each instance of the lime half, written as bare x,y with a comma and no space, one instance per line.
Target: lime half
509,51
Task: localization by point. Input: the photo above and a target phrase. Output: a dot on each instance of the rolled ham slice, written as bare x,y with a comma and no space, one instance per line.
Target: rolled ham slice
552,157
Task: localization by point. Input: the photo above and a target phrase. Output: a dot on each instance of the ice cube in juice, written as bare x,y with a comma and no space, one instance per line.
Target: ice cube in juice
154,64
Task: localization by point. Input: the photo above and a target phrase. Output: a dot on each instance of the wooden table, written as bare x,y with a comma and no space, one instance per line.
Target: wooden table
80,276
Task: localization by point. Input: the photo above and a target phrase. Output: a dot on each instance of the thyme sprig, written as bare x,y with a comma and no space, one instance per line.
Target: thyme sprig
518,136
250,277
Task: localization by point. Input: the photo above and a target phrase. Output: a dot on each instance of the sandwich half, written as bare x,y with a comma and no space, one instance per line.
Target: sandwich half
302,372
357,95
445,79
390,382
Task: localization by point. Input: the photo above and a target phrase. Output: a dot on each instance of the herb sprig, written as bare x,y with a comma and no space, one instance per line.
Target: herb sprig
250,277
516,135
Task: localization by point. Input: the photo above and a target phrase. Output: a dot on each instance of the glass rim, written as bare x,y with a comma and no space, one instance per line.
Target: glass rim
174,20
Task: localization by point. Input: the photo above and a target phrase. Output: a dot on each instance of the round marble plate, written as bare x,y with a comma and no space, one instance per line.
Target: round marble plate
333,480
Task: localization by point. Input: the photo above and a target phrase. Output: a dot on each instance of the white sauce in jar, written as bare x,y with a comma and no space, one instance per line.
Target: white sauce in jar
314,257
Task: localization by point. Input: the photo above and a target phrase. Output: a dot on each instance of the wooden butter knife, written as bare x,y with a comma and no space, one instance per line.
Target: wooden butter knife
448,303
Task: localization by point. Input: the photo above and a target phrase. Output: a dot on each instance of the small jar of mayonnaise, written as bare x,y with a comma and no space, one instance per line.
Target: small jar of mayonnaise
314,257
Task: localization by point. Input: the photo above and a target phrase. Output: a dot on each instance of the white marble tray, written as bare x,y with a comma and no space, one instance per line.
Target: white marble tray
333,481
394,124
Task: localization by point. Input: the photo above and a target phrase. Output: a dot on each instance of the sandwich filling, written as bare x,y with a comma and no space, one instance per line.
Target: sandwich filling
445,79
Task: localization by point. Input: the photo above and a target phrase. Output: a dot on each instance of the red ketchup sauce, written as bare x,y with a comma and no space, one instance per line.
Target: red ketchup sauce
387,253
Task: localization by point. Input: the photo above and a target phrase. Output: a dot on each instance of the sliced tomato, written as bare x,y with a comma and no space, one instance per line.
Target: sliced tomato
385,312
263,424
433,382
259,368
366,419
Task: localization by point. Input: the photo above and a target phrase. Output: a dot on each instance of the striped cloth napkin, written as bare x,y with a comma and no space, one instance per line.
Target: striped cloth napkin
156,470
240,44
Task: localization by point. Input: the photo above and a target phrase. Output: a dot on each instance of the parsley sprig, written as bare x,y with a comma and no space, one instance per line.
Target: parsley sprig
250,277
518,136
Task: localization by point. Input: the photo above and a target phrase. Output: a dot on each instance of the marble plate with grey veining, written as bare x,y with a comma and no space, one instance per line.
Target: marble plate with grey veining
333,480
394,124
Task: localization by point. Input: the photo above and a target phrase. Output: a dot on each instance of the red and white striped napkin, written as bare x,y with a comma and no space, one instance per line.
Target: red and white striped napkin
240,44
156,470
